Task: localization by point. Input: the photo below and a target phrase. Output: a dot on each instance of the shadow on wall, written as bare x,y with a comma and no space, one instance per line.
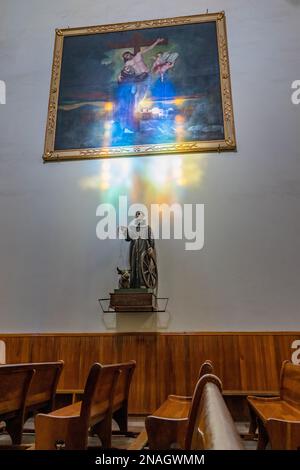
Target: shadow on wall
137,321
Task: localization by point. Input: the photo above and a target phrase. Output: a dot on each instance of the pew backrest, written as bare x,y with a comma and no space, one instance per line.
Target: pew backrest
99,392
42,389
14,386
123,384
290,383
210,425
68,427
206,368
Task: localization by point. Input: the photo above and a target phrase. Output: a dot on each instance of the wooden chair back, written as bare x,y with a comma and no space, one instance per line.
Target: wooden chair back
99,392
206,368
196,410
42,391
124,381
14,386
290,383
67,428
210,425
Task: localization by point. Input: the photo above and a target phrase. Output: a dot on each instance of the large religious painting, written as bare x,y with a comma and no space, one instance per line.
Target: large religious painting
141,88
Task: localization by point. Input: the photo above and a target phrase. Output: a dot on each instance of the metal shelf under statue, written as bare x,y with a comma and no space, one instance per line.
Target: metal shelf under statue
138,285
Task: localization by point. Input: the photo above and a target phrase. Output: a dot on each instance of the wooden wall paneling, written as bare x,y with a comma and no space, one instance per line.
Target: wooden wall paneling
18,349
223,351
108,349
69,350
166,362
183,355
142,348
173,356
283,350
257,362
44,349
94,349
229,362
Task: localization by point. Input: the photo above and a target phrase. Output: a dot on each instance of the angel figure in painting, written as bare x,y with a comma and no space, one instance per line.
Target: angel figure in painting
163,88
163,63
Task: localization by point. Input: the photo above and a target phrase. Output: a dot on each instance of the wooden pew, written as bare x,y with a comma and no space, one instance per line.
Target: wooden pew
120,405
14,386
176,406
277,417
67,428
41,393
207,426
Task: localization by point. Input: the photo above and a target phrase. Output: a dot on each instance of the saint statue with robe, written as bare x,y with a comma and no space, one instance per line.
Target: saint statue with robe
142,253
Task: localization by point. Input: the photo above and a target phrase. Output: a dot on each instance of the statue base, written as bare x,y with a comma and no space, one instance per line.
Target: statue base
133,300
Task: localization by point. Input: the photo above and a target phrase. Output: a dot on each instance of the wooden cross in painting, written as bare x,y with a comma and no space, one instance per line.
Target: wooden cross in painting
137,41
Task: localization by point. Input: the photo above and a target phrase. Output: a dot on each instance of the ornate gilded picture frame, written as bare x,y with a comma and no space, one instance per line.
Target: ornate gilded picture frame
141,88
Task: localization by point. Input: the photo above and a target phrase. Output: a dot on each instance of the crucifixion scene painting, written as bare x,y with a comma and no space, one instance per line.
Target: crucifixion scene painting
139,88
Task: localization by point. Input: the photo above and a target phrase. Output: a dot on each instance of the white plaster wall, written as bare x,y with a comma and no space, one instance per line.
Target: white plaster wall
52,267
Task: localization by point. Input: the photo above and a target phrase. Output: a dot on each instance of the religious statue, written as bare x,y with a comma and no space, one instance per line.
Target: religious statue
138,283
142,253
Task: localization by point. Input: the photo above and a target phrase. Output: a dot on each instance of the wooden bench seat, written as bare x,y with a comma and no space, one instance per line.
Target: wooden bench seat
285,409
275,408
106,392
70,410
175,406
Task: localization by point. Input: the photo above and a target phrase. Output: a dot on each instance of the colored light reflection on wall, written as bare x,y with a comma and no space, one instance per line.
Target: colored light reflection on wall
145,180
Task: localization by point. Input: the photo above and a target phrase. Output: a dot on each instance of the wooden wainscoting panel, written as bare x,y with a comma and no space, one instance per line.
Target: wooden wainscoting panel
69,350
183,355
166,362
18,348
258,363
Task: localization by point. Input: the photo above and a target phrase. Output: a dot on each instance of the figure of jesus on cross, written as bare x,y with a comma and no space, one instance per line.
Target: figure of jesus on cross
134,79
135,62
135,70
